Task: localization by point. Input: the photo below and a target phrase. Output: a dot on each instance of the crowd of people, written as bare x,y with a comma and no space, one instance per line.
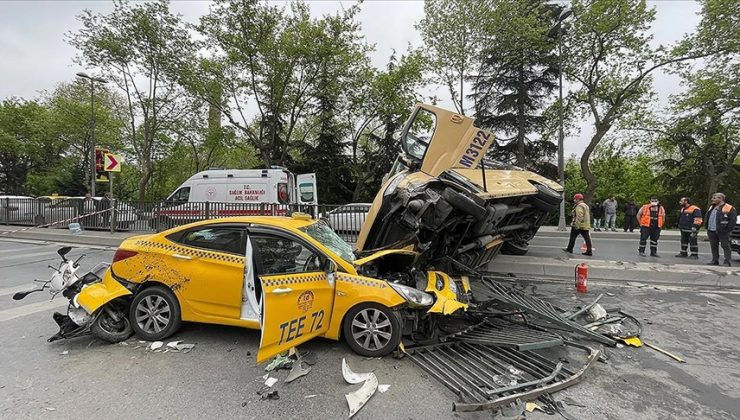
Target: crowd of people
650,217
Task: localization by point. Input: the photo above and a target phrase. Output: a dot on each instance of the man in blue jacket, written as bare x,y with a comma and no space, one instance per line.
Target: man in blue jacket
721,219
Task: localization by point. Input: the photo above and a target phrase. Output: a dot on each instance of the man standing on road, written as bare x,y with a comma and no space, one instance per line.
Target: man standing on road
598,212
630,211
580,225
689,222
651,217
610,209
721,219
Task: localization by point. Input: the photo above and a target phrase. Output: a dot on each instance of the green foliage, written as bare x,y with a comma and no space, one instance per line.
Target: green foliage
518,73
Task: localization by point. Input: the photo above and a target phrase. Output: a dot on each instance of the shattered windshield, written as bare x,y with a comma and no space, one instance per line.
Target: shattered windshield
327,237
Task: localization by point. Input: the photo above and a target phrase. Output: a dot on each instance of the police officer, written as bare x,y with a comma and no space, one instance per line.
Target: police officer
651,217
721,219
689,222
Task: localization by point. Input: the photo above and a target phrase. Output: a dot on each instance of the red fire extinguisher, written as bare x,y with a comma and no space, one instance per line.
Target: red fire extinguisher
582,278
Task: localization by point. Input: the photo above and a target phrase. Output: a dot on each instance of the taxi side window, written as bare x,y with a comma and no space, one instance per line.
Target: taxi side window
281,255
221,239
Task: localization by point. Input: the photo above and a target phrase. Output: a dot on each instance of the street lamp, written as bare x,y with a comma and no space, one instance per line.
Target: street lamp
92,130
557,31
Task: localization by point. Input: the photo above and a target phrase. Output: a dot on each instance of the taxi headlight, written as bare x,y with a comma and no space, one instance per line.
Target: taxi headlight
413,296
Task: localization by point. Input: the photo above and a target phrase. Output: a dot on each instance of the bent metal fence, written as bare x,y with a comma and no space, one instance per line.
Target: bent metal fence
119,215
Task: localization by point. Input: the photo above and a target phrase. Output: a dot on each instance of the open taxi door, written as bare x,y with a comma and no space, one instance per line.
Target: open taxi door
294,307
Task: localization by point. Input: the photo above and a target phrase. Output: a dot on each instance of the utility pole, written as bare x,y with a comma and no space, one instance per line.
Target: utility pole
564,14
92,126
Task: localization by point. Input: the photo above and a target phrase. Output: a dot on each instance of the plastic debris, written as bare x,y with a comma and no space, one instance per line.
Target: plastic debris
297,371
267,375
272,395
64,353
633,341
174,344
270,382
123,343
530,407
50,409
356,400
156,345
383,388
310,396
280,362
185,348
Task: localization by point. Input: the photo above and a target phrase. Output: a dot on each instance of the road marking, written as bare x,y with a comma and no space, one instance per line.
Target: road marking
31,308
27,255
16,289
30,248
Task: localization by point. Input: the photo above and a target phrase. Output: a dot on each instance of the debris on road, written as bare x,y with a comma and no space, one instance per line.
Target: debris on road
383,388
669,354
174,344
270,382
297,371
156,345
279,362
272,395
311,396
356,400
64,353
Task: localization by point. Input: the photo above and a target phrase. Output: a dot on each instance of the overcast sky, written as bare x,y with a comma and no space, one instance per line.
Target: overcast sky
34,56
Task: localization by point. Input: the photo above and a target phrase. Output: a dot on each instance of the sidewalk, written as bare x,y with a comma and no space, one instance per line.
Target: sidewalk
552,231
641,272
87,237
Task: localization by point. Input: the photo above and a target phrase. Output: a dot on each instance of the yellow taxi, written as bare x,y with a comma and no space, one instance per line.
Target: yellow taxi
292,277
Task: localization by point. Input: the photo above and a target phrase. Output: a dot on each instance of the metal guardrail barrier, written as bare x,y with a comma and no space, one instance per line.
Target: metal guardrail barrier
90,213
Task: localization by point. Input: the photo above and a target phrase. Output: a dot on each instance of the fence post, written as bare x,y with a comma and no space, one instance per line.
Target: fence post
112,216
155,214
7,210
208,210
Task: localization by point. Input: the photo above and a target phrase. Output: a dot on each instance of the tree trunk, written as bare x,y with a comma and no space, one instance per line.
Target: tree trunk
591,181
146,175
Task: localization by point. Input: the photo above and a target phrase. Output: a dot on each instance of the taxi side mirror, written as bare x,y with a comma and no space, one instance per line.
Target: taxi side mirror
330,266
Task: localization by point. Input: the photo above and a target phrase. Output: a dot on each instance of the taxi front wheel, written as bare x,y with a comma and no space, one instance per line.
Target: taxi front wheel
372,330
155,313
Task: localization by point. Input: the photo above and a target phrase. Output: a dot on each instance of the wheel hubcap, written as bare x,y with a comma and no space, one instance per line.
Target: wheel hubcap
153,314
371,329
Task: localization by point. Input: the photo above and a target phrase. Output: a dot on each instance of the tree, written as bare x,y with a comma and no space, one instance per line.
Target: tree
26,144
518,73
609,58
452,33
70,121
138,47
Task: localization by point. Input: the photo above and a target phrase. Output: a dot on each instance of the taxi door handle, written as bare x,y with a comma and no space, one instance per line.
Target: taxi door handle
282,291
182,257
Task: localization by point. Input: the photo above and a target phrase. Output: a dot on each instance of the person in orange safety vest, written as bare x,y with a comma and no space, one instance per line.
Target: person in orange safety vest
651,217
689,222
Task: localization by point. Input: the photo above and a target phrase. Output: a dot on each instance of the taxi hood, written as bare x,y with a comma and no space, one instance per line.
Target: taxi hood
405,255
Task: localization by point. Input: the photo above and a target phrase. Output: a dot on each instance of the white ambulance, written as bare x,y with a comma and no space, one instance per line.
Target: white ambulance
237,192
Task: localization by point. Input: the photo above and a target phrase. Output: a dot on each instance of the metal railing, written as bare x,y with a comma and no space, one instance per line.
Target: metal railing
120,215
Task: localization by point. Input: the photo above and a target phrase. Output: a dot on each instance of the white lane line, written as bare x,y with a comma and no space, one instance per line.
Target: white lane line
27,255
37,247
16,289
31,308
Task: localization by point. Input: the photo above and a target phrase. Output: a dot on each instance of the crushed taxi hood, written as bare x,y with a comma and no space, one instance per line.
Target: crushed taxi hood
380,254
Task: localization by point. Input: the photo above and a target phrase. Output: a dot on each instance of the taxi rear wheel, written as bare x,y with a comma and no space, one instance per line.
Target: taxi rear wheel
155,313
372,330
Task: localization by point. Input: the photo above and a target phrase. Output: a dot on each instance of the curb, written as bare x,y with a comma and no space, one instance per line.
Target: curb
62,236
651,273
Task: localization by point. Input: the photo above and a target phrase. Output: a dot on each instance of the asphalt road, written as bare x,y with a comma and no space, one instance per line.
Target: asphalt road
83,377
621,249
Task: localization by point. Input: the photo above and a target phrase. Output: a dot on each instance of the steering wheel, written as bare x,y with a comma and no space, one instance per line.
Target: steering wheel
312,263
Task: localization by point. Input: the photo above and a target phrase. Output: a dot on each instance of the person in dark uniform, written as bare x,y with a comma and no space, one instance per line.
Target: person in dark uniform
689,222
651,217
721,219
630,211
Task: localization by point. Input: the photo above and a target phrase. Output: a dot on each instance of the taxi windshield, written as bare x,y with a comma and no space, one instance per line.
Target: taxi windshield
321,232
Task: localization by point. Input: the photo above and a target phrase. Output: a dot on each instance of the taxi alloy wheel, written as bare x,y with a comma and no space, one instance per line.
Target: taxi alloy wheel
372,330
155,313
